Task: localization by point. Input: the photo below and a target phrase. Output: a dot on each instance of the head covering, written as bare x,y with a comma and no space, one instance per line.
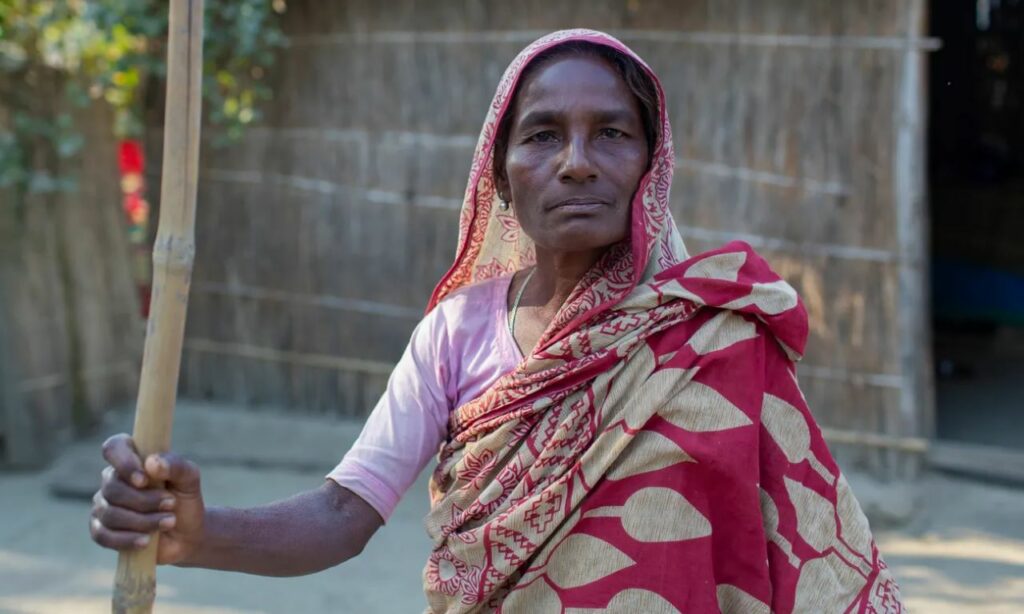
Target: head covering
653,453
490,241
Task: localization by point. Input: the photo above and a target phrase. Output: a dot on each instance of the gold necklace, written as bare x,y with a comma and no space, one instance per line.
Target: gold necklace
515,303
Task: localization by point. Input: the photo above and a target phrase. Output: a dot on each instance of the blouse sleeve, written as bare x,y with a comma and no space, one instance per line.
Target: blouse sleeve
406,427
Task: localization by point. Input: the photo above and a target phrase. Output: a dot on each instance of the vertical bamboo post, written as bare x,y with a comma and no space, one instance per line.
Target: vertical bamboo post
173,253
910,162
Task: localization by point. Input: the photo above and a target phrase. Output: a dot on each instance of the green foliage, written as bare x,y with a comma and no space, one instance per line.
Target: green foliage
60,54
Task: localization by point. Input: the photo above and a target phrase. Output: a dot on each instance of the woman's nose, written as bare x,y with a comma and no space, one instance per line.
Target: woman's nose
577,164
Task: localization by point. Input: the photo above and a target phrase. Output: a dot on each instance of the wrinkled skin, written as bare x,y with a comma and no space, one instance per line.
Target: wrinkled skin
312,531
125,511
576,153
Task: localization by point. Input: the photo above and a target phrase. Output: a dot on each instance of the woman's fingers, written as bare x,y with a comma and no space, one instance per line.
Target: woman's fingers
181,475
116,540
126,510
121,494
123,519
123,529
119,450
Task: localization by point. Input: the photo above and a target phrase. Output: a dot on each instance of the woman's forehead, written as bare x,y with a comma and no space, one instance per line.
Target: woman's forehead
572,82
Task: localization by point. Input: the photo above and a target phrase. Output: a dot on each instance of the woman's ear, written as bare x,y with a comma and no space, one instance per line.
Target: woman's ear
501,179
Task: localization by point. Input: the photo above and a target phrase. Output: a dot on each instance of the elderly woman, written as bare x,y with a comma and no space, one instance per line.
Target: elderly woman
619,424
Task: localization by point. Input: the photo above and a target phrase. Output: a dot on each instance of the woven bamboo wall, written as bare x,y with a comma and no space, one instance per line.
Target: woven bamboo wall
69,317
798,129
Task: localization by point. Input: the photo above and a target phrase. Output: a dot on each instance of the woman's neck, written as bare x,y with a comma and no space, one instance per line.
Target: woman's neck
553,280
556,277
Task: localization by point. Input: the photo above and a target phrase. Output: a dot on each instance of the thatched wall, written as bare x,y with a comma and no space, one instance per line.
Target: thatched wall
69,316
798,128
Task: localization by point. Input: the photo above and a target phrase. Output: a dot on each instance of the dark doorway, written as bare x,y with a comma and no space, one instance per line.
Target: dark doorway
976,182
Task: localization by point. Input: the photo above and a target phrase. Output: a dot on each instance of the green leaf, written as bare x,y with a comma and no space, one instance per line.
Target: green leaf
76,94
113,50
42,182
69,144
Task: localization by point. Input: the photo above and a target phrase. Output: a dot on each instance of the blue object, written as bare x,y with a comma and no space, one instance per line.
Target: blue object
973,293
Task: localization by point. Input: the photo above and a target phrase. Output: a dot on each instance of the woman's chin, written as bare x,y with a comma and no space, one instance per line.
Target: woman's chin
578,238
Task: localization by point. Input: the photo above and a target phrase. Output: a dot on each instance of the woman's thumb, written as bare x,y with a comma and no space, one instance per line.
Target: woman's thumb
181,475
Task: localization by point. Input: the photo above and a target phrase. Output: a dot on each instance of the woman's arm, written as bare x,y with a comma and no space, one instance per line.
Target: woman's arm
309,532
304,534
821,553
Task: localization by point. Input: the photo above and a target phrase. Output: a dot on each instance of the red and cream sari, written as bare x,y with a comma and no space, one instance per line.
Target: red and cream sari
654,452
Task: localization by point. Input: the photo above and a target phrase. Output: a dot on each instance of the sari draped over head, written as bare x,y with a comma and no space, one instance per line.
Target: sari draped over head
654,452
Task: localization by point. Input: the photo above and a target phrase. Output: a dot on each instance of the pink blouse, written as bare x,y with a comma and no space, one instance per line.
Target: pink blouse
457,351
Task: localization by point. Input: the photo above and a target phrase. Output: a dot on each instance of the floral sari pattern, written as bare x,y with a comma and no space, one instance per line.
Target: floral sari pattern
654,452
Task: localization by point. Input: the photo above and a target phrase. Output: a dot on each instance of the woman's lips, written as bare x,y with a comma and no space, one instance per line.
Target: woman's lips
579,205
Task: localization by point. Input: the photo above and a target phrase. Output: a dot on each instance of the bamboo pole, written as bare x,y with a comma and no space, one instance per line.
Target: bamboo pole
173,254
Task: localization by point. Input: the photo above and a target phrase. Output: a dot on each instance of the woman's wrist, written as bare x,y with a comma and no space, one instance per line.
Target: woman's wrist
198,550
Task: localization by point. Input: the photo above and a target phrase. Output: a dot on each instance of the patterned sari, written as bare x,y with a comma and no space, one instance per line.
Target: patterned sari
654,452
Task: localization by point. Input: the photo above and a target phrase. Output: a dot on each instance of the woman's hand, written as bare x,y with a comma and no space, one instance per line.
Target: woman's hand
127,507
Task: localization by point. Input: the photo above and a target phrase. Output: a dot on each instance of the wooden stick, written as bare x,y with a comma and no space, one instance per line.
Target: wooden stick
173,253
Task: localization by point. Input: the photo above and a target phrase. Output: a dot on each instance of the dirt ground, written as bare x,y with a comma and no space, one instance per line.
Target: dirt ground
964,551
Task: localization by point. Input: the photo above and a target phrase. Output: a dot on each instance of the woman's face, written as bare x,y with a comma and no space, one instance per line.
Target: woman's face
576,153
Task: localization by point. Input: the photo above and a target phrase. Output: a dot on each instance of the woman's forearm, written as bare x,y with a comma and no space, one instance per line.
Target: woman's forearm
309,532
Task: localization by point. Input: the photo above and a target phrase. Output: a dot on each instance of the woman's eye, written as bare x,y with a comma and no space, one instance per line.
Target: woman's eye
612,133
545,136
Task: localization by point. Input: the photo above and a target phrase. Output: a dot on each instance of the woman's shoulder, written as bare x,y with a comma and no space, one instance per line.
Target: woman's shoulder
487,294
471,312
736,279
466,333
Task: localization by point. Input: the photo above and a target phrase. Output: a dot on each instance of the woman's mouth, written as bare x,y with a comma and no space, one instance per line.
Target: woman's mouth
579,204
